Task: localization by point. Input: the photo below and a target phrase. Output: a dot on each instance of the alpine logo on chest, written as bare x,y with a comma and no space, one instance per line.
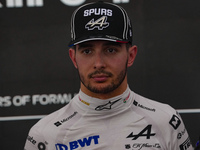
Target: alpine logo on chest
146,132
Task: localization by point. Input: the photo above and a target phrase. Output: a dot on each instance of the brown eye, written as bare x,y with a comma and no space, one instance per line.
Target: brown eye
86,51
111,50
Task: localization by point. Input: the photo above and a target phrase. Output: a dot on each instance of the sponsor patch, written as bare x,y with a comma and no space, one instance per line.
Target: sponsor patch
146,132
41,146
180,134
139,146
185,145
58,123
175,122
85,142
31,139
143,107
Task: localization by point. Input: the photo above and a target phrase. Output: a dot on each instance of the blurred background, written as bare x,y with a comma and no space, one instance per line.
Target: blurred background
37,76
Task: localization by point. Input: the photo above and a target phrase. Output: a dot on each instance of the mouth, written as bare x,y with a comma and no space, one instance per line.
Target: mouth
100,78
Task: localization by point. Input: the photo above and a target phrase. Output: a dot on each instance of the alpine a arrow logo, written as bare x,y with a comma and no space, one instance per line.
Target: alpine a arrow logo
106,106
146,132
100,23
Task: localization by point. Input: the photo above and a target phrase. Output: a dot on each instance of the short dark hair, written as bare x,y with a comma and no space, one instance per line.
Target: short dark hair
128,45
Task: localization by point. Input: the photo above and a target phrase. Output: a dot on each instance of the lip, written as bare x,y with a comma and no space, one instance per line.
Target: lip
100,78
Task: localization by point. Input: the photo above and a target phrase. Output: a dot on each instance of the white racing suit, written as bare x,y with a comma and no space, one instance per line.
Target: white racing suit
126,122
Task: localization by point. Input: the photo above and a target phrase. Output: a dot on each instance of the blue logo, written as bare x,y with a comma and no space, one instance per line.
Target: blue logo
79,143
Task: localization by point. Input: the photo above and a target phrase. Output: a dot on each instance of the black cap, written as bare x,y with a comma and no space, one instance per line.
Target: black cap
100,21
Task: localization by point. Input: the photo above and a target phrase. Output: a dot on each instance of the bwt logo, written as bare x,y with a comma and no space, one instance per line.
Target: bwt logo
79,143
40,3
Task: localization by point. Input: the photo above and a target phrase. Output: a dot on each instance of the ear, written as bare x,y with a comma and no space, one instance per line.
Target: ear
132,54
72,55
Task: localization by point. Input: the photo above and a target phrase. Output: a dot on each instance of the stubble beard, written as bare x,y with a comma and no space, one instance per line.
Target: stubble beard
115,83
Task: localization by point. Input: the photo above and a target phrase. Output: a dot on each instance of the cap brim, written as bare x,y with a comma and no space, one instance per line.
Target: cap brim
72,43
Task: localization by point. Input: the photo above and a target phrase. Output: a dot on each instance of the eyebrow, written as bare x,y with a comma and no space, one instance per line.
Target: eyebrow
110,43
107,43
84,45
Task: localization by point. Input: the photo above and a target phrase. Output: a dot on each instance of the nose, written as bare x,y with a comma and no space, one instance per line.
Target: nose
99,62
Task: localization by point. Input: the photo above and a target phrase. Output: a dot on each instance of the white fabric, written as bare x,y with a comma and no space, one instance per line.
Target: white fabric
125,122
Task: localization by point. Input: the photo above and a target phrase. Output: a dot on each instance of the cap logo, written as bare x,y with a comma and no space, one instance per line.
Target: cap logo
100,23
97,11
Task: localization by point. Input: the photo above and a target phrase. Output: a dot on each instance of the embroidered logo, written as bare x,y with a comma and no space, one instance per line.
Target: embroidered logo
186,144
79,144
175,122
100,23
146,132
106,106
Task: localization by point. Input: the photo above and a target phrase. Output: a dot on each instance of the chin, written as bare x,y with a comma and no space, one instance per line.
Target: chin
102,89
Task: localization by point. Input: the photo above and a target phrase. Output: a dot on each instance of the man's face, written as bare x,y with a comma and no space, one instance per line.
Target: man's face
102,65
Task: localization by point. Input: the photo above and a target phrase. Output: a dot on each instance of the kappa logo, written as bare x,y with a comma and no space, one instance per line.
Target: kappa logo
175,122
100,23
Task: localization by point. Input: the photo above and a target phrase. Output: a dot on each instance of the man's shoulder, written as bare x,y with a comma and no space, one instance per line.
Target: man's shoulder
50,121
155,111
51,125
165,121
160,114
153,106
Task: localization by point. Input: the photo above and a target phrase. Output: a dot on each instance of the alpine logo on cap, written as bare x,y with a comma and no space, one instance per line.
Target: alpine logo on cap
100,23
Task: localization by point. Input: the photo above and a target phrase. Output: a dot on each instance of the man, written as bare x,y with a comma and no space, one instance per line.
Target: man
106,114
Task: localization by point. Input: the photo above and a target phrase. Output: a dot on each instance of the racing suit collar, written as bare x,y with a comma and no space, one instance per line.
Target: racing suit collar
95,105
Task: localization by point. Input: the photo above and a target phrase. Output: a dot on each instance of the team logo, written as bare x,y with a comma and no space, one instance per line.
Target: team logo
175,122
31,139
128,146
85,142
143,107
146,132
139,146
107,106
180,134
41,146
100,23
186,144
58,123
